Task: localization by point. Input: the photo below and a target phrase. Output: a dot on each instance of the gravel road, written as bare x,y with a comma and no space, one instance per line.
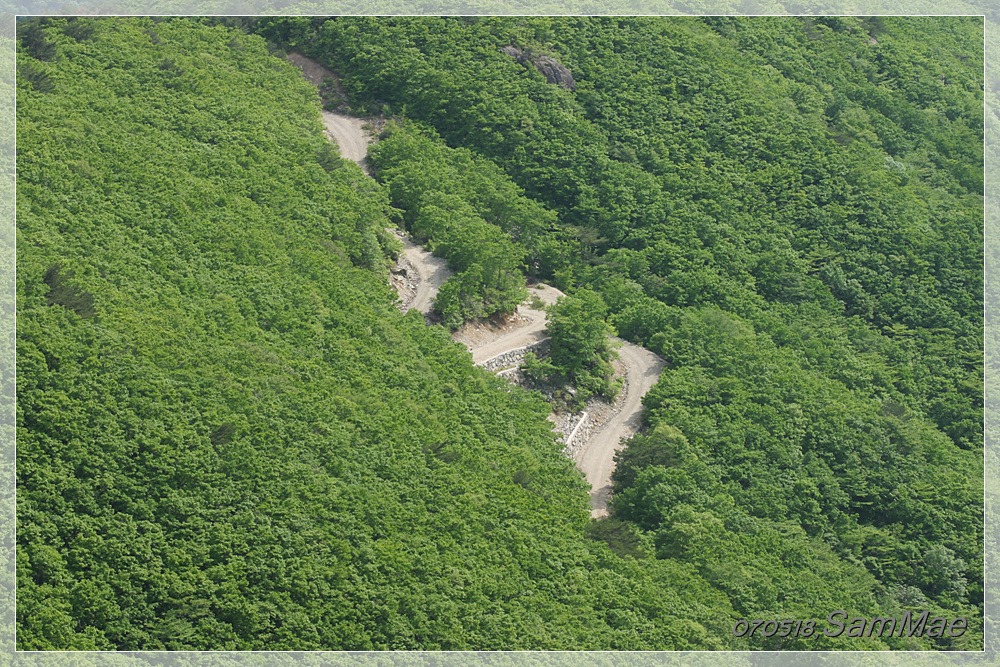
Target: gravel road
350,135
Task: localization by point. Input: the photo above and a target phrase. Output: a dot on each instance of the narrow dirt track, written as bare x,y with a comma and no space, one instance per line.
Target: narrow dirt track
596,461
353,140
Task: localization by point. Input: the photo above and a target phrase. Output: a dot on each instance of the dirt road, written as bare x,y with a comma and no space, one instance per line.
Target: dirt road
350,135
346,130
524,335
353,140
433,271
596,460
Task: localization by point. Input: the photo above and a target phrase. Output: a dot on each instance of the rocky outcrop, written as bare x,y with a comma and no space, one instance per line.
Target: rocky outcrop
550,68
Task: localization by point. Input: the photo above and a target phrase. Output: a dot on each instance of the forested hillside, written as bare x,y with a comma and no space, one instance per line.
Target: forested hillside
230,438
790,212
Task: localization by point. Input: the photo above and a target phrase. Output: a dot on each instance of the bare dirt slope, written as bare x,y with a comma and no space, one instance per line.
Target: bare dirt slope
315,73
432,271
521,336
596,460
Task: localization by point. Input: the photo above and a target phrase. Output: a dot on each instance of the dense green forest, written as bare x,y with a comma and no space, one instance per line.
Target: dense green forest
229,438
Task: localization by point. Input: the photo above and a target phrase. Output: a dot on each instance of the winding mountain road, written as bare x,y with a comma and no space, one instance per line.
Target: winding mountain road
596,460
352,140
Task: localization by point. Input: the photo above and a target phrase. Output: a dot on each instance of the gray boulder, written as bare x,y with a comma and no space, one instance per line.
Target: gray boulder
550,68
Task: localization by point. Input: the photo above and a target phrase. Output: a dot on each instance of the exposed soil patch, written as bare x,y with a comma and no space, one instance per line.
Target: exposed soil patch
318,75
404,277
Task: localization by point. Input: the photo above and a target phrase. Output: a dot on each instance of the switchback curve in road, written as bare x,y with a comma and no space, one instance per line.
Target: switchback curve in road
597,459
529,333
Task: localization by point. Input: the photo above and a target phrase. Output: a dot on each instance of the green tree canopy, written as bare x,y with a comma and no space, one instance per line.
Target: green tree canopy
581,350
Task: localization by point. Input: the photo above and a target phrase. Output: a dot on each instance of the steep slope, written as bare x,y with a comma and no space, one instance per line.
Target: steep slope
596,460
788,211
228,436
